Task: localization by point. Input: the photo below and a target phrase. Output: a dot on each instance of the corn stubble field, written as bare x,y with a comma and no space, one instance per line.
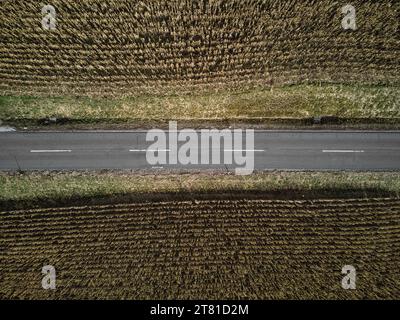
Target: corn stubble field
129,47
204,249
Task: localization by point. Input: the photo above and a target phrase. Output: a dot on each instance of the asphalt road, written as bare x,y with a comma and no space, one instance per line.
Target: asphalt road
273,150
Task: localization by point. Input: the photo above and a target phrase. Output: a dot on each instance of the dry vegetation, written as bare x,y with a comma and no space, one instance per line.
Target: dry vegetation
48,189
229,238
294,104
205,247
225,249
130,47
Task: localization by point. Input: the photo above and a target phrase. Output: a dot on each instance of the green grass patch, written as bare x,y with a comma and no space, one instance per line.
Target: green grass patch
63,187
299,102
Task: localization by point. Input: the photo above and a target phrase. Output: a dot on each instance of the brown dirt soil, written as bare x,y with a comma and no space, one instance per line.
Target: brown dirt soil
204,249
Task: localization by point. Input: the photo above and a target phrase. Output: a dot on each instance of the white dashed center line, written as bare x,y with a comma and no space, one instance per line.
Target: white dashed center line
150,150
168,150
244,150
50,151
343,151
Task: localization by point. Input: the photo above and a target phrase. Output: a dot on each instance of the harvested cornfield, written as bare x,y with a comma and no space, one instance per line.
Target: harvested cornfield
130,47
204,249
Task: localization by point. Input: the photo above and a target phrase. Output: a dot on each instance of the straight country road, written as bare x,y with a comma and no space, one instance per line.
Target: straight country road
273,150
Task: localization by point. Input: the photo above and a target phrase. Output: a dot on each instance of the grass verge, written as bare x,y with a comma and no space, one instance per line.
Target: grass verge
297,105
38,189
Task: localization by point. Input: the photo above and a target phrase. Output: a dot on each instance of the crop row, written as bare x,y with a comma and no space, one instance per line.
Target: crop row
130,47
203,249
